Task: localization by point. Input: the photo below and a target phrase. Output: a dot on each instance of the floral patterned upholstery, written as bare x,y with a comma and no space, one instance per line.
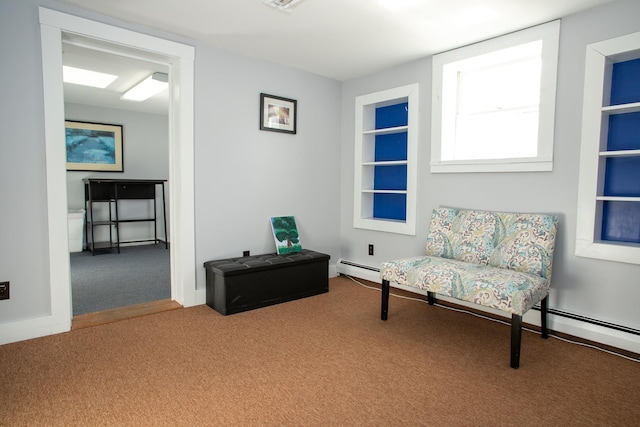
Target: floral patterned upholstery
495,259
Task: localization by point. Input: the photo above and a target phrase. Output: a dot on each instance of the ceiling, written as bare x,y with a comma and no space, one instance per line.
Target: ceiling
338,39
129,71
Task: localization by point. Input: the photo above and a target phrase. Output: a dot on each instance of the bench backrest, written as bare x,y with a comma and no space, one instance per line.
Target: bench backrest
520,242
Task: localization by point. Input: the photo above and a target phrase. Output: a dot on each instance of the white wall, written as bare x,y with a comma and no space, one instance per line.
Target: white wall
243,175
606,291
23,220
145,156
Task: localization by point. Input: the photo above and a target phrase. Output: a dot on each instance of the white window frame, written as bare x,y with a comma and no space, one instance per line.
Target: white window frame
549,33
599,61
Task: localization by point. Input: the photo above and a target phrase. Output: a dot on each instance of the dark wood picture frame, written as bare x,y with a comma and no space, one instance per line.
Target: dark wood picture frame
278,114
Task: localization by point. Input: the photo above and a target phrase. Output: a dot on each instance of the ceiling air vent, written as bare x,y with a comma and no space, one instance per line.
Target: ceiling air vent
281,4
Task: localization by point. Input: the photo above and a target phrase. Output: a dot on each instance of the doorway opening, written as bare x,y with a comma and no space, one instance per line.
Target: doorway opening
121,214
179,60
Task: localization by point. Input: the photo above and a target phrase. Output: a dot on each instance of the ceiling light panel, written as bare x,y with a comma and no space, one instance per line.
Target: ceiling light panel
83,77
155,83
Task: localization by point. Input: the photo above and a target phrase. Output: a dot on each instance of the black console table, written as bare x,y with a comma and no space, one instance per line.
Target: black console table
112,192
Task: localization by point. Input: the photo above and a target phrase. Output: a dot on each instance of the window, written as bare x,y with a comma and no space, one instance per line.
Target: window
608,225
493,105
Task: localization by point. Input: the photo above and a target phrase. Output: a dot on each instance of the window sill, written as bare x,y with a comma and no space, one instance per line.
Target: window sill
506,165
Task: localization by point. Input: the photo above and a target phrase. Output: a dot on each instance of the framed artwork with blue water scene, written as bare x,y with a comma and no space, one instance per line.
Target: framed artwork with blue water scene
93,146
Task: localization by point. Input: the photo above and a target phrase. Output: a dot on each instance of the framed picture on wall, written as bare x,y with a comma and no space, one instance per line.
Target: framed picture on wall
93,146
278,114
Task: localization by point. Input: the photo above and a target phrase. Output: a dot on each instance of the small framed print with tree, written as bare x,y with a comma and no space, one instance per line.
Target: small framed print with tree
278,114
285,234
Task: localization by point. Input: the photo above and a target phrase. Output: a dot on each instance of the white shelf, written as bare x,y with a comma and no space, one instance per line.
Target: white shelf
385,191
620,153
386,131
386,163
387,222
622,108
618,199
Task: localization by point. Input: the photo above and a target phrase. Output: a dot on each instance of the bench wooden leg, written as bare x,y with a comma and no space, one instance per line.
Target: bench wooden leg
385,300
544,310
516,337
431,297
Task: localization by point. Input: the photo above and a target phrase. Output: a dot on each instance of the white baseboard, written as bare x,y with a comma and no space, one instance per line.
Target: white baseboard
352,269
595,333
201,296
32,328
332,270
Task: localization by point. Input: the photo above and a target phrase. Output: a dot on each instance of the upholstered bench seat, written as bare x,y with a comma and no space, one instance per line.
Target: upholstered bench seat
506,290
246,283
497,260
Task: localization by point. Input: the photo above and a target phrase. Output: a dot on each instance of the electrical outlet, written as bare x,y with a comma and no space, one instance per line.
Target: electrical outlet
4,290
370,249
245,253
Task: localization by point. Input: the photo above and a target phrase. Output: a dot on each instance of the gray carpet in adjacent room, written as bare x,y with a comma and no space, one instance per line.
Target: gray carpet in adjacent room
138,274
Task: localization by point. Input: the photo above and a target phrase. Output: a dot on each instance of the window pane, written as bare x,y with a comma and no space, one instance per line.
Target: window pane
498,104
495,100
501,87
510,134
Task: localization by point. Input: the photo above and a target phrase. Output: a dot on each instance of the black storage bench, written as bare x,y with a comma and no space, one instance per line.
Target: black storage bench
246,283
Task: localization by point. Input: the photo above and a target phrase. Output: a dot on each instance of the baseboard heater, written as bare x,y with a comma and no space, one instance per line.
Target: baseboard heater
367,272
353,264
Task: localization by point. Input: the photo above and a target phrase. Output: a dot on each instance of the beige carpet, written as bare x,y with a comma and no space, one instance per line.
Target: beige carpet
326,360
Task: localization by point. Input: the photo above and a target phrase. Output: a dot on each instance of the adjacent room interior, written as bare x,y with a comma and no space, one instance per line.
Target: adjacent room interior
118,250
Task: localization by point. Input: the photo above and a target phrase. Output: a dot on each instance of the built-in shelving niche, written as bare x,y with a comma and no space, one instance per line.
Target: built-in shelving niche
385,157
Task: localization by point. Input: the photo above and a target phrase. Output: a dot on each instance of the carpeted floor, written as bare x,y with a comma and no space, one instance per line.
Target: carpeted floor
327,360
138,274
